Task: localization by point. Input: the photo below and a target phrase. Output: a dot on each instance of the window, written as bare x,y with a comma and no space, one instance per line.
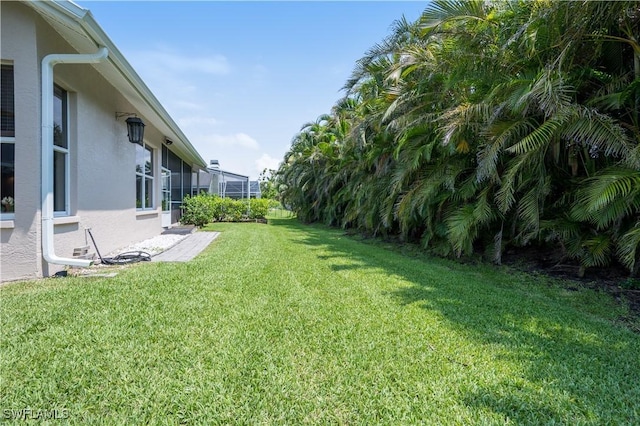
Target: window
7,144
7,155
7,101
60,152
144,177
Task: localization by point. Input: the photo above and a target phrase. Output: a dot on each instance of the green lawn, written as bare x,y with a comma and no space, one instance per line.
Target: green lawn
291,324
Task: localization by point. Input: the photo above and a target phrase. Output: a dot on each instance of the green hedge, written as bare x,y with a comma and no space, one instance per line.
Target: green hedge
204,208
197,210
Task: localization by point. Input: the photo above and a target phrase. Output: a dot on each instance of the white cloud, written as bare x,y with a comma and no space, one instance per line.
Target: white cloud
179,79
192,89
266,162
211,64
236,152
197,121
237,140
186,105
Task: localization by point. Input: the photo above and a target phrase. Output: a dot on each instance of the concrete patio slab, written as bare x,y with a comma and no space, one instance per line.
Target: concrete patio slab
179,230
188,248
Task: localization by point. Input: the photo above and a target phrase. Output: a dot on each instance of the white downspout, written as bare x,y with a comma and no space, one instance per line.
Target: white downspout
48,62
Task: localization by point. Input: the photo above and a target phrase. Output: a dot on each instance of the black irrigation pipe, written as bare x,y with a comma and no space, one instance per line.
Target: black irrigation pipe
122,258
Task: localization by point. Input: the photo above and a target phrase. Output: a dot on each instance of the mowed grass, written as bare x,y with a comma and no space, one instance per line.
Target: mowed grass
292,324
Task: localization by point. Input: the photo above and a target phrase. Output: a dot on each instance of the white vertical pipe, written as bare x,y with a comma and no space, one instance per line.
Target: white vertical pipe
48,62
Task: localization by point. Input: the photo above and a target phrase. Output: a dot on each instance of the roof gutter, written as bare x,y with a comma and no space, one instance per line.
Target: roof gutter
48,62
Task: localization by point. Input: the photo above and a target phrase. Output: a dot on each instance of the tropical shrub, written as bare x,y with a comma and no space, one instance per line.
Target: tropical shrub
204,208
485,126
259,208
197,210
233,210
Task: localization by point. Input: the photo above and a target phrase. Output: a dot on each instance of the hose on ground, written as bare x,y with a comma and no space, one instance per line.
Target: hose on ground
122,258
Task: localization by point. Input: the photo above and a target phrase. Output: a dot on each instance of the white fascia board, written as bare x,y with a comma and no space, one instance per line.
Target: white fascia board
70,7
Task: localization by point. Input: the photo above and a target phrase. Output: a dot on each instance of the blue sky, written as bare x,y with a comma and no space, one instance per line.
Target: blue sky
241,78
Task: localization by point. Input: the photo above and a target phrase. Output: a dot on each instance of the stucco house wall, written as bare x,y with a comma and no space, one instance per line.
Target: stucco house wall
102,174
19,238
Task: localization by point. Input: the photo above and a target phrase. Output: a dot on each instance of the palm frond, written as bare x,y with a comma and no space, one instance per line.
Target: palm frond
530,210
612,194
461,229
440,11
599,132
500,134
597,251
628,247
524,170
541,137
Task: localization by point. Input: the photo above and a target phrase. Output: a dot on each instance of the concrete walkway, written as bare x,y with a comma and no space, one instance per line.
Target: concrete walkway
188,248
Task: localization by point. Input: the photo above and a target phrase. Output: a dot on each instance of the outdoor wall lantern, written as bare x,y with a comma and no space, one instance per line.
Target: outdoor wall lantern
135,127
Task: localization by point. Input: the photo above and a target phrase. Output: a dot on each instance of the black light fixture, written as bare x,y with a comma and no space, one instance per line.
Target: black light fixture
135,127
168,141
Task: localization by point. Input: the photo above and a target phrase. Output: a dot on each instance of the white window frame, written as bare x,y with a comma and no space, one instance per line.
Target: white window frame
67,154
10,140
145,177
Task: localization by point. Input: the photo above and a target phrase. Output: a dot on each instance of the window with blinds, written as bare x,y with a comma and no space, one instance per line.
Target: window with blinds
7,147
7,103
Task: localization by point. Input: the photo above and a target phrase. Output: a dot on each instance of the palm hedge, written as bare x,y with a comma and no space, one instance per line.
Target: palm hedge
486,126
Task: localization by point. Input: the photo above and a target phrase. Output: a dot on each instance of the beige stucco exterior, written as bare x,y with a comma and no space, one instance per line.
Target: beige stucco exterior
102,160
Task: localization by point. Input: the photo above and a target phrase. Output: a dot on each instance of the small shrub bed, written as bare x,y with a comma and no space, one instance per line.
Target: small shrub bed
201,209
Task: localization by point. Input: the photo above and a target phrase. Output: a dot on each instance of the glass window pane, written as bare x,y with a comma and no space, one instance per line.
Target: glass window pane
7,158
148,163
144,177
59,181
60,117
7,105
166,201
148,193
139,192
166,176
139,159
